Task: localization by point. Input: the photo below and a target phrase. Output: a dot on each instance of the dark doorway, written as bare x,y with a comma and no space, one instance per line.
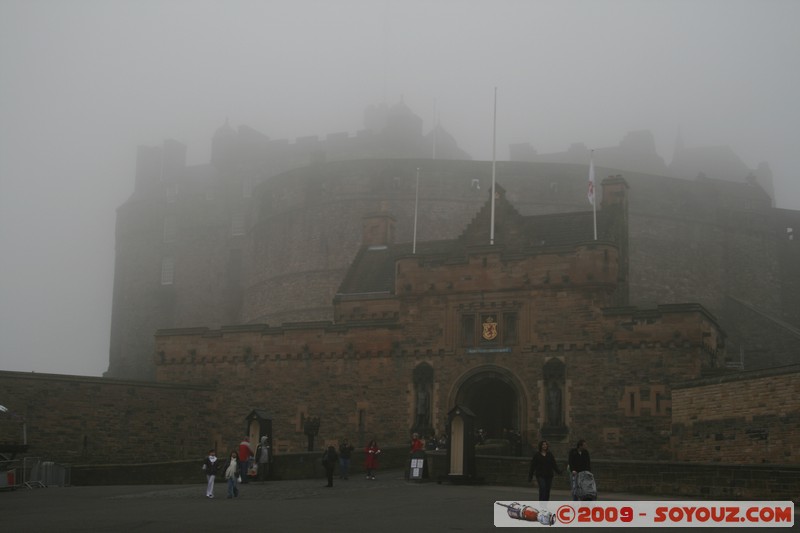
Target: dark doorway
493,401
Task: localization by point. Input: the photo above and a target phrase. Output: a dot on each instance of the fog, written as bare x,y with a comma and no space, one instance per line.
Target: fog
83,83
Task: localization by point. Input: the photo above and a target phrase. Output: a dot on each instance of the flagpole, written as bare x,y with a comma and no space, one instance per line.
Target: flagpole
416,208
593,198
494,164
435,127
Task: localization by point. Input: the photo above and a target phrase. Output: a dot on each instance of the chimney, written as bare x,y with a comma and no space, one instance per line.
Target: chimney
148,169
615,192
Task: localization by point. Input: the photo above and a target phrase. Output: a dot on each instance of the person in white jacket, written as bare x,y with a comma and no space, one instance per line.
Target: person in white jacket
232,474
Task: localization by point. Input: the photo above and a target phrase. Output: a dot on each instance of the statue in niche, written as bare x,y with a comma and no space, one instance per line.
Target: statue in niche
423,407
423,399
553,404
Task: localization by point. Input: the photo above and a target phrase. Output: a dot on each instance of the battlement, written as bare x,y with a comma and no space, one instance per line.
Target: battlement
396,133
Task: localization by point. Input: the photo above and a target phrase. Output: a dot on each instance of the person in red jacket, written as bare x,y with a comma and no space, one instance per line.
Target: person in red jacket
416,443
245,453
371,452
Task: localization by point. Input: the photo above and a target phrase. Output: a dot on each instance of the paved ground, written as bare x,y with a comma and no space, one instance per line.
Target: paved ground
387,504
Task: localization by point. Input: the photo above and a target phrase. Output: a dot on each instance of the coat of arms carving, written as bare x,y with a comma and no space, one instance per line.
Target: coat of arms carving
489,328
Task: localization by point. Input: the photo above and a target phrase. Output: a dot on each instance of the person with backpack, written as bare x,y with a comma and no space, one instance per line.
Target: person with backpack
329,460
543,465
579,461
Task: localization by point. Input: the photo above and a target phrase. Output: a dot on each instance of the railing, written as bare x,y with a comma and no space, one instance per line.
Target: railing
39,474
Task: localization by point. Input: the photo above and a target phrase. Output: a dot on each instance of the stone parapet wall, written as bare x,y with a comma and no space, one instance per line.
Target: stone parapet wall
750,417
285,466
79,420
654,478
688,480
97,421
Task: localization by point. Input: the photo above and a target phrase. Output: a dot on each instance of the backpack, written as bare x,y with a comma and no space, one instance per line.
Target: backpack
585,487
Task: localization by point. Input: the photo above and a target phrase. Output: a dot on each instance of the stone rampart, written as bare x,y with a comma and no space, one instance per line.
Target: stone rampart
687,480
749,417
683,480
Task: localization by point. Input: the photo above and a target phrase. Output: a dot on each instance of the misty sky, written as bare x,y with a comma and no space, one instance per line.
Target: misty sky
84,82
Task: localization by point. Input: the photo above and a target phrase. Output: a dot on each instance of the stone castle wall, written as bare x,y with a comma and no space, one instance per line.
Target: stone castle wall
96,421
689,241
359,378
751,417
81,420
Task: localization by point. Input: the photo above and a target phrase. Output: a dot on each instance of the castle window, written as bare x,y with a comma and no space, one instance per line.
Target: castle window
467,330
660,402
247,187
170,228
509,328
171,192
237,223
167,271
234,270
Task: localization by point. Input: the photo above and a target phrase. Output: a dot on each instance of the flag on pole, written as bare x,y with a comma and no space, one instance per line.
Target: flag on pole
590,193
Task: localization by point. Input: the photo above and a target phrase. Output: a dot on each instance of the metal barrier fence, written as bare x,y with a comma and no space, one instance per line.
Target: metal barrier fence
37,473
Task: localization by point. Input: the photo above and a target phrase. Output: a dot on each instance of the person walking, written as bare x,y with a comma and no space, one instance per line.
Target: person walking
371,452
233,475
579,461
329,460
210,465
345,450
245,453
543,465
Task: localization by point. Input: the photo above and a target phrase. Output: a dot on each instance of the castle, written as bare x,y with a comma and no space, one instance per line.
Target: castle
266,231
361,283
528,328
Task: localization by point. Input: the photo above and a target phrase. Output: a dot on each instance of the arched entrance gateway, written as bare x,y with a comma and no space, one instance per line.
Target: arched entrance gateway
495,396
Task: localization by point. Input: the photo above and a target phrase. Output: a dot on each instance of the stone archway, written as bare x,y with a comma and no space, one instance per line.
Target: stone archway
495,398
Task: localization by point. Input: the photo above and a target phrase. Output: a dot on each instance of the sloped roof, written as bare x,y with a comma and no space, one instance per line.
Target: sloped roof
373,269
